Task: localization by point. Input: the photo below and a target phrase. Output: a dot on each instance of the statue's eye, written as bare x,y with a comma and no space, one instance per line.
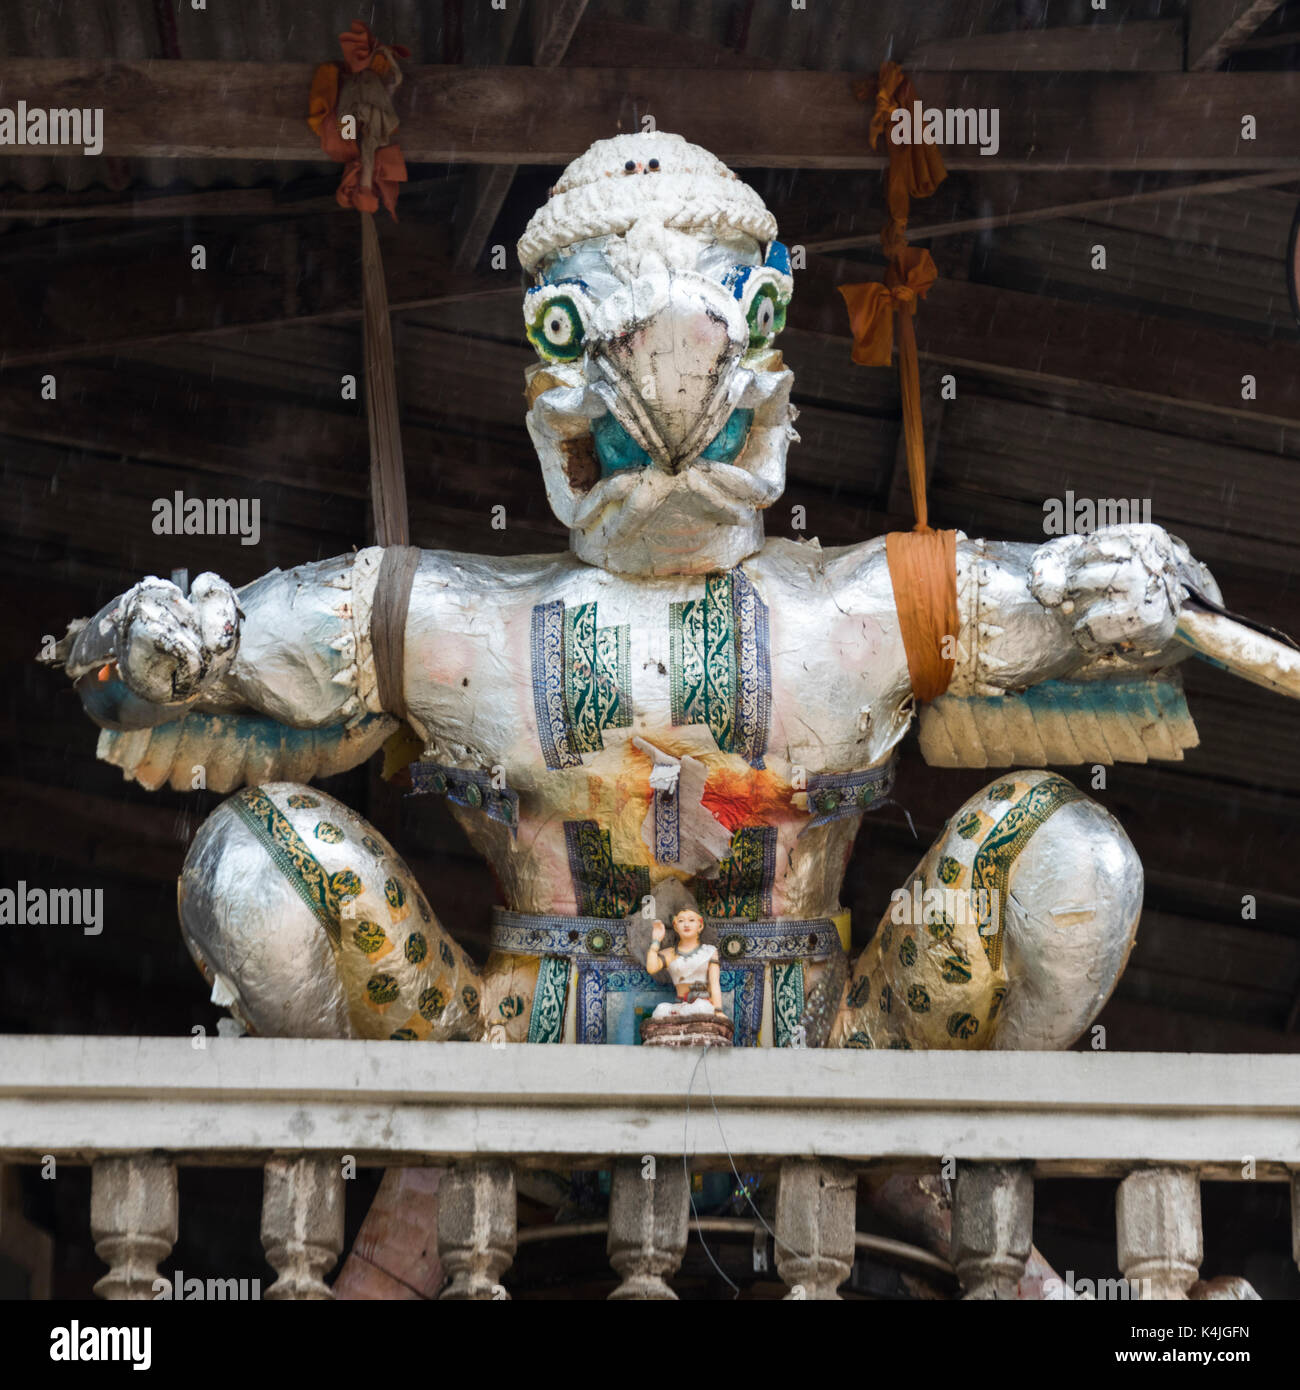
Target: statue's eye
766,316
555,328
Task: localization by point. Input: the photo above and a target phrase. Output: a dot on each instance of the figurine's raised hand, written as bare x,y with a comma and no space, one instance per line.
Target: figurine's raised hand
171,648
1119,587
657,932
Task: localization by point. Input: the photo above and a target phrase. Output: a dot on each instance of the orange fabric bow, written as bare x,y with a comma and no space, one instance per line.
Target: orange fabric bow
361,52
872,305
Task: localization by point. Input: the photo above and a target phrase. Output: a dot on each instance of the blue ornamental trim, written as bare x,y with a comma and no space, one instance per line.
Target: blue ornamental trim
753,671
548,686
467,787
603,938
834,795
668,840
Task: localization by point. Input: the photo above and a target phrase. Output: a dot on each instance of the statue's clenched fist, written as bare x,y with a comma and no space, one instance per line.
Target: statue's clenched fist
171,648
1120,587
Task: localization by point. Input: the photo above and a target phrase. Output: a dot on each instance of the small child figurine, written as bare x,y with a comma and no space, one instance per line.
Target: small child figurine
692,966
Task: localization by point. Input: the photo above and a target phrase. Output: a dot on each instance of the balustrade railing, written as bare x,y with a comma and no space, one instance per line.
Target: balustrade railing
138,1108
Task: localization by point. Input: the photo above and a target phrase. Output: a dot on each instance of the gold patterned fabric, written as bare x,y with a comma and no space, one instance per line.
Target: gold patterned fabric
934,974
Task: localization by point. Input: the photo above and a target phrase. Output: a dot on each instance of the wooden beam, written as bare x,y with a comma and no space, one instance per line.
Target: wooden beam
55,205
477,214
554,24
1052,209
1132,1026
204,429
614,43
312,276
1215,26
995,331
1140,46
1009,332
520,115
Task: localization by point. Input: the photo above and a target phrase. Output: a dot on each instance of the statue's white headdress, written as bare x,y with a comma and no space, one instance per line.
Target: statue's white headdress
655,176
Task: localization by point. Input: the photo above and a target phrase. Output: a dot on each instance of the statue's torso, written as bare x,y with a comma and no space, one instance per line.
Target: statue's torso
550,691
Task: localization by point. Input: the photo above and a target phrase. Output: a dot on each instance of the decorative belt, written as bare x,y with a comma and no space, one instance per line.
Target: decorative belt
834,795
602,938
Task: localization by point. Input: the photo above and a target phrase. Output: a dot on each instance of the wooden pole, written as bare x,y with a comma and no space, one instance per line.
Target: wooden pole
387,474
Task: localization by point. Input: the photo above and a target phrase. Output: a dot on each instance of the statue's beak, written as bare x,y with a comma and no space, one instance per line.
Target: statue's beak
664,356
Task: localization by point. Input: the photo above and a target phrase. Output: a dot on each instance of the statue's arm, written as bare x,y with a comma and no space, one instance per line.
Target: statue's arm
1074,606
292,646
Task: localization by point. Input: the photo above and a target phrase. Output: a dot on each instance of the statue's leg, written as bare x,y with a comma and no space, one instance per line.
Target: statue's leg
306,923
1010,933
1033,974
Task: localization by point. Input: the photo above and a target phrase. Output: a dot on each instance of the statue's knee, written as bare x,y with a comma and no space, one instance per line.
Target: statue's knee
1011,931
1064,887
308,924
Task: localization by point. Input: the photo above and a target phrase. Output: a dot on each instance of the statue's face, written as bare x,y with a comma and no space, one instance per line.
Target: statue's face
660,409
688,925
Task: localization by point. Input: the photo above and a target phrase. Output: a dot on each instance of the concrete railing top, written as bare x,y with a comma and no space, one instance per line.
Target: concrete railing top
235,1101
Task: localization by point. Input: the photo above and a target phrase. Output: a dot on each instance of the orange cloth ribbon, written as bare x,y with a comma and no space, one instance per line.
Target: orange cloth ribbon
923,571
362,52
872,305
915,169
922,562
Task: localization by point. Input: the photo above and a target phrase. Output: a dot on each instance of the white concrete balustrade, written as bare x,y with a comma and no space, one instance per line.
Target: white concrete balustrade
136,1109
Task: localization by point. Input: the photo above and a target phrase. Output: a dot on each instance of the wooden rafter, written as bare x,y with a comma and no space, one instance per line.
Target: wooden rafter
554,28
1052,208
1021,335
1154,45
1215,26
522,115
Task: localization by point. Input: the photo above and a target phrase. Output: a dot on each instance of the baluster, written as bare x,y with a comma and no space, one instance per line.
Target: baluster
302,1224
816,1220
647,1226
1158,1221
133,1222
476,1228
992,1227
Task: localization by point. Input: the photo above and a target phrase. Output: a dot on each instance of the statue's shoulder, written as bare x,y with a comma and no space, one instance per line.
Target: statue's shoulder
807,566
494,578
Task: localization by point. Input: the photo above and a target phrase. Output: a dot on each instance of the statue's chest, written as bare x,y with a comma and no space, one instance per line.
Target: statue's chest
589,690
649,663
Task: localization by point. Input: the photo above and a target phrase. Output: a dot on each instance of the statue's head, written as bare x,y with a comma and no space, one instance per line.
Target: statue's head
660,409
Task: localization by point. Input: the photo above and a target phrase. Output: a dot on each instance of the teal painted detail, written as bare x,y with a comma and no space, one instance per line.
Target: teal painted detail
730,439
615,448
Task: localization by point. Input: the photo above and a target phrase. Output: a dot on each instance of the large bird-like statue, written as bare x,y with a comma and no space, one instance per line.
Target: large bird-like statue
675,712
